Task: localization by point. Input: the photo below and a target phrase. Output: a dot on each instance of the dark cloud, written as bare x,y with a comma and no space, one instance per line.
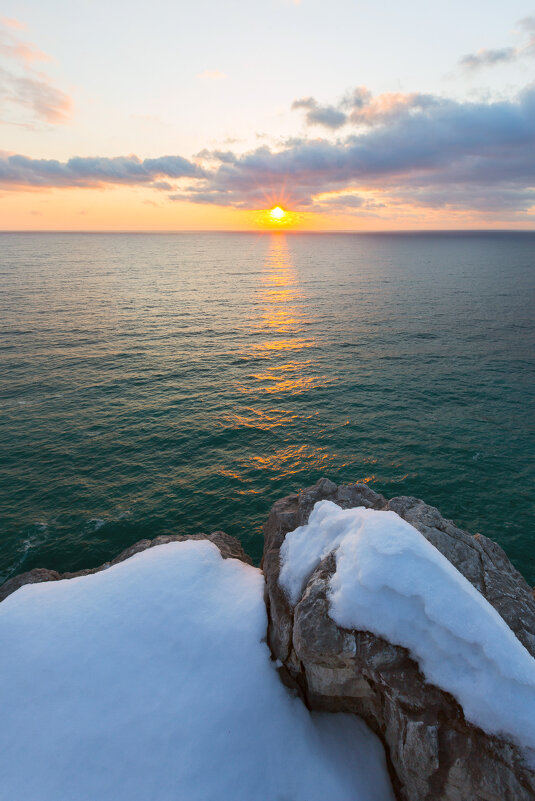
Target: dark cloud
422,141
327,116
20,171
171,166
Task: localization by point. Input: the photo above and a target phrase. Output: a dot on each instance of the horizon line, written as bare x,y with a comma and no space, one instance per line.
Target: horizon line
267,231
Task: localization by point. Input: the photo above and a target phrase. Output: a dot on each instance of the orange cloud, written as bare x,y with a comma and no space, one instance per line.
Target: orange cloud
26,94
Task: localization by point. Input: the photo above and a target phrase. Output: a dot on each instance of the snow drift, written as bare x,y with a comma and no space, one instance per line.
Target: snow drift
152,680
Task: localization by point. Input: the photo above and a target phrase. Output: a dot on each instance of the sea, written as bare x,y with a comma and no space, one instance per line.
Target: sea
181,383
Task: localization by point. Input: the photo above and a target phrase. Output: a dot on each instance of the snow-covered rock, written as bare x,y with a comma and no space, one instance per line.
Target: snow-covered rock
229,547
152,680
369,616
149,677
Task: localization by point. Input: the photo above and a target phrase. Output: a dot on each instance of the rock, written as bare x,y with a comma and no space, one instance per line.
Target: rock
229,546
34,576
481,561
433,753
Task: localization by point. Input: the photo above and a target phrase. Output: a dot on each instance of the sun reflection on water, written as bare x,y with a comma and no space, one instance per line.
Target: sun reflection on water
286,366
282,311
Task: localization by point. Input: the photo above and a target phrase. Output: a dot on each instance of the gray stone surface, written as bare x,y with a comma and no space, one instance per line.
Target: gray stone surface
433,753
229,546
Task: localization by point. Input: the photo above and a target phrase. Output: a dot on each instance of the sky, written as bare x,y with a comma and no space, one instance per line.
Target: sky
201,116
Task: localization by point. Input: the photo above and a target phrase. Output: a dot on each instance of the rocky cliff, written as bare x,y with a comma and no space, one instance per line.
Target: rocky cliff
434,753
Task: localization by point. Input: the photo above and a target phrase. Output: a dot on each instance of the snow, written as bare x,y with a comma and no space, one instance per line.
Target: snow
391,581
152,680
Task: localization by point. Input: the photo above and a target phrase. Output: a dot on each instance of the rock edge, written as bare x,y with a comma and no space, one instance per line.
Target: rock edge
229,546
433,753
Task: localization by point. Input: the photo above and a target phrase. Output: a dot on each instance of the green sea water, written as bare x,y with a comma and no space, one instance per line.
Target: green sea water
156,384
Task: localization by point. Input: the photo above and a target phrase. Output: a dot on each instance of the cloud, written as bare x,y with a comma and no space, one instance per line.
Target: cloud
405,150
35,95
527,27
21,171
500,200
361,108
346,203
211,75
26,94
164,186
389,106
486,58
327,116
13,48
416,142
226,156
10,22
504,55
358,98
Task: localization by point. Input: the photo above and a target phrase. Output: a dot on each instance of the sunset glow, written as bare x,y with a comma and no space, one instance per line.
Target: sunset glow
358,144
279,217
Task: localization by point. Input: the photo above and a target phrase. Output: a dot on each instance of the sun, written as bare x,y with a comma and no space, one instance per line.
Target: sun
277,217
277,214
